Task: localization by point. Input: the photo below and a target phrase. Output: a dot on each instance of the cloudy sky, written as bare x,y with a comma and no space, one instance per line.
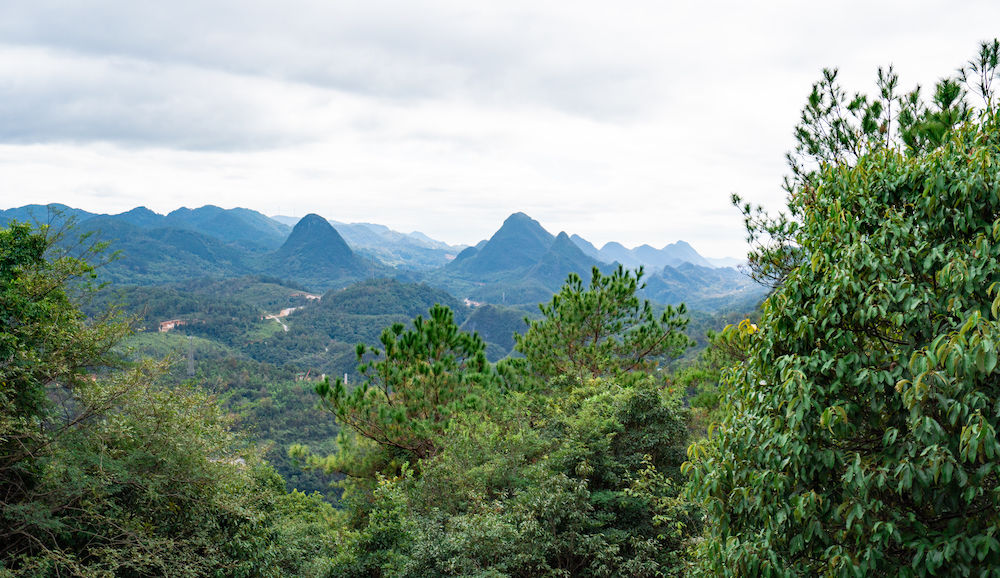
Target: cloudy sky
631,121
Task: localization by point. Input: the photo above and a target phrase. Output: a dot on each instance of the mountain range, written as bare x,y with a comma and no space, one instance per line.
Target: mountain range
521,263
413,250
647,256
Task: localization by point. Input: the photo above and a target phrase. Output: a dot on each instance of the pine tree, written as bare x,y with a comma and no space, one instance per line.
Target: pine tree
602,330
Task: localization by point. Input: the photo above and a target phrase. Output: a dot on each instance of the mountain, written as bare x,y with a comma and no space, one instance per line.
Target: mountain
673,255
466,253
521,263
586,246
519,243
213,242
704,288
163,255
614,251
647,256
53,214
432,243
140,217
242,226
681,252
315,254
314,239
414,251
562,258
651,258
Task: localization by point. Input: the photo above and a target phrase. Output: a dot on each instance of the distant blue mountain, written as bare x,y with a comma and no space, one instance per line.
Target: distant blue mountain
586,246
140,217
245,227
413,251
164,255
647,256
519,243
521,263
315,252
562,258
616,252
53,214
704,288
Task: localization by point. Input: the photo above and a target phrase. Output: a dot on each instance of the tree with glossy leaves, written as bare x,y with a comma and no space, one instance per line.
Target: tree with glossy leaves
862,429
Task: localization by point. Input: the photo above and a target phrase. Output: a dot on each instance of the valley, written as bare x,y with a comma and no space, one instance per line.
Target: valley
259,307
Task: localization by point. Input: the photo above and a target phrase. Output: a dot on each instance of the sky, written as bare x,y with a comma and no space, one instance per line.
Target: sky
631,121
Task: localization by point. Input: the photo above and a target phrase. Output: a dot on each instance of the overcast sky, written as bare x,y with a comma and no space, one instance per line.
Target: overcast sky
630,121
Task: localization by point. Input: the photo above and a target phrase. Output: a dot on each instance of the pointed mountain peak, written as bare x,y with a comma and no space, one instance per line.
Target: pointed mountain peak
519,242
316,236
562,258
615,251
519,217
315,250
519,223
564,247
682,252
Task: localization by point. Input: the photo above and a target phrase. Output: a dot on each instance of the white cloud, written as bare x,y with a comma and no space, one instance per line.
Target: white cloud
632,121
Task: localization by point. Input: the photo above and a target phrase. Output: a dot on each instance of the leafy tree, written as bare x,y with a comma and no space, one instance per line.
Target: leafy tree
601,330
568,480
584,491
702,379
102,472
45,343
863,430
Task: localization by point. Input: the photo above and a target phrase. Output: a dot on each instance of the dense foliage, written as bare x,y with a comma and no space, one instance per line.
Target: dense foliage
516,471
863,433
103,473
